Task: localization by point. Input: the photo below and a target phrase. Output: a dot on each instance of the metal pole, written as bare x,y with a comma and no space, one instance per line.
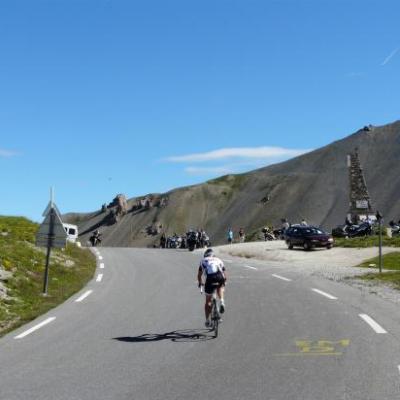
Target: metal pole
380,246
46,272
49,246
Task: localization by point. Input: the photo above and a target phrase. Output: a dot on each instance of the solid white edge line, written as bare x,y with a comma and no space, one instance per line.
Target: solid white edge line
327,295
372,323
35,328
101,265
281,277
99,277
248,266
86,294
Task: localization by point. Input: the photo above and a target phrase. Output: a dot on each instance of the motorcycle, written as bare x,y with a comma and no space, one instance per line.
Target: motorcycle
95,240
364,229
268,235
395,228
192,241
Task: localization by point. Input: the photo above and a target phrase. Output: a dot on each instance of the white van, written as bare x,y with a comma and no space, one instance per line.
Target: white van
72,232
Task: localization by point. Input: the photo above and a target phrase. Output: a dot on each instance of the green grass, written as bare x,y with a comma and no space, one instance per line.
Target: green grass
368,241
390,261
234,181
70,270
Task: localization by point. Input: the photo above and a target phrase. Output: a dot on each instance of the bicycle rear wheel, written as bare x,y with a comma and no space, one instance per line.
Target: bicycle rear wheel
215,317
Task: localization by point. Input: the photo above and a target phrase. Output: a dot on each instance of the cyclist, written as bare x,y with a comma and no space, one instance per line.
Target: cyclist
214,270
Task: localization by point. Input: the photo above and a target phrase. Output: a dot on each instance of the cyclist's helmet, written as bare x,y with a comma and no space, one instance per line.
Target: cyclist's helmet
209,253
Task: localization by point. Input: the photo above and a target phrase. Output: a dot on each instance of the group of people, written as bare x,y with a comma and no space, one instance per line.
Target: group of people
192,239
230,236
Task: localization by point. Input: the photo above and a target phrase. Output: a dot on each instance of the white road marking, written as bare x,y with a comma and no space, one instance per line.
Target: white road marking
281,277
398,368
248,266
99,277
329,296
100,257
373,324
101,265
35,328
83,297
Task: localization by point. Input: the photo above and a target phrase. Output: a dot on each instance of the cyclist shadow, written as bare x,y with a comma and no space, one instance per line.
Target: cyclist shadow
183,335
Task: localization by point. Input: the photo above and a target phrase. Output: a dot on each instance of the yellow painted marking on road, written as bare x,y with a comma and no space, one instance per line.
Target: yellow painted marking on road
318,348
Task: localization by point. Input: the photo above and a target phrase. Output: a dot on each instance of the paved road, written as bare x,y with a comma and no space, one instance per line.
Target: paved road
139,335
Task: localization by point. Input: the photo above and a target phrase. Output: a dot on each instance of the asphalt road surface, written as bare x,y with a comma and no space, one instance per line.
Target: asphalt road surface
138,333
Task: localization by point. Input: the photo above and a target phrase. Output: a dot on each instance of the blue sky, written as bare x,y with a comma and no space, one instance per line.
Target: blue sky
105,97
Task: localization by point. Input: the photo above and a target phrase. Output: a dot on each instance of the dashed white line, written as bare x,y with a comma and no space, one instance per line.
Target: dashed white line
101,265
100,257
398,368
248,266
327,295
99,277
373,324
83,297
281,277
35,328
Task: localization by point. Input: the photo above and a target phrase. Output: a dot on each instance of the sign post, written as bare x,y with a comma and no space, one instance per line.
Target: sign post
379,218
51,234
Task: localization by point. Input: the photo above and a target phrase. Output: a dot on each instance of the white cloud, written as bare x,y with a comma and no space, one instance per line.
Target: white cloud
240,152
7,153
390,56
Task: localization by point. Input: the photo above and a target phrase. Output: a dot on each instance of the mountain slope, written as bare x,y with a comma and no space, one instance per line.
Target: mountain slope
313,186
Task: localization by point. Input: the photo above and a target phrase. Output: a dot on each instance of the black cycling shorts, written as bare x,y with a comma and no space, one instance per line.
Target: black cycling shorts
214,282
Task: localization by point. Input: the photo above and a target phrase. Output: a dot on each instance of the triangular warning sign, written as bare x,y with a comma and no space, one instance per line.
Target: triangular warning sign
50,206
54,235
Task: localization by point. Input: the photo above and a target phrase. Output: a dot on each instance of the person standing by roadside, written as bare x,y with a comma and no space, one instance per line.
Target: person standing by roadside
285,224
163,241
230,235
242,236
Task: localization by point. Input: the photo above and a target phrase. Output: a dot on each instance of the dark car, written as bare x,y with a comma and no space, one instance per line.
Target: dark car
307,237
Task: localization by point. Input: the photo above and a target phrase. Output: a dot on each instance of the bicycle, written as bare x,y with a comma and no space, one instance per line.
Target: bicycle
215,315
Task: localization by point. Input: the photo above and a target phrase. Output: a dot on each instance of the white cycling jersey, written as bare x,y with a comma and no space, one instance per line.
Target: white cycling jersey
211,265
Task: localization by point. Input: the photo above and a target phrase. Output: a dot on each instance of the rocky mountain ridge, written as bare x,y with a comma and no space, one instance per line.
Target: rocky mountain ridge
313,186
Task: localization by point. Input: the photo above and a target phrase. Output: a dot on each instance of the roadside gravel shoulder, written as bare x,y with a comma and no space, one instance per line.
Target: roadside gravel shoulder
338,264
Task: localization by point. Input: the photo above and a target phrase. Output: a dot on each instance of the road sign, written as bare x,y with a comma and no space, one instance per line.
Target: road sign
51,232
49,207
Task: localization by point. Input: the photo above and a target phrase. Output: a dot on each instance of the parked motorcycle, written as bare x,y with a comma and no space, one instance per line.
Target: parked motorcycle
364,229
191,240
268,235
395,228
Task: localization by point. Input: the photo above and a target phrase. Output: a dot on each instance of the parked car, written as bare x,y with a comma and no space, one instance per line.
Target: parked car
307,237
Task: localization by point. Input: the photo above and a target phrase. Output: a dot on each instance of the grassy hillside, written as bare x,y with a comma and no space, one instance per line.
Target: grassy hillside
21,273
